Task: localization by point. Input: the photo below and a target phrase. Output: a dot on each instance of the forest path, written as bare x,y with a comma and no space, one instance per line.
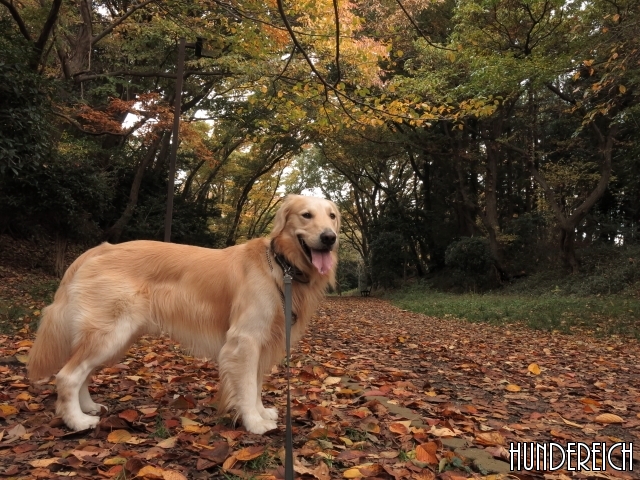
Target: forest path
377,392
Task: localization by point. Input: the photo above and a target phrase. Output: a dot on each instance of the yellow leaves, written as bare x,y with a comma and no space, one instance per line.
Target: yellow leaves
609,418
149,471
6,410
352,473
534,369
622,89
512,387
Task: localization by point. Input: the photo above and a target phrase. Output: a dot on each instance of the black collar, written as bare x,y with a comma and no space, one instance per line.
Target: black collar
287,267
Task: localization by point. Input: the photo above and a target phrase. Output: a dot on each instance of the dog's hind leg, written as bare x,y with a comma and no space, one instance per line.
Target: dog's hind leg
93,349
87,405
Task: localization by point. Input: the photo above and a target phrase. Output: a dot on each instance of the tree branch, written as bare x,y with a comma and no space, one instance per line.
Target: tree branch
48,25
422,34
117,22
18,19
337,15
83,76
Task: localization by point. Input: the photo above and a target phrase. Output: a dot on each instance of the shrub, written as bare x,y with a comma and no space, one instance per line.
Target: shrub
470,261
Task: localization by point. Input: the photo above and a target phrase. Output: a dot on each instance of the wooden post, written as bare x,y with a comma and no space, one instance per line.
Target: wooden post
175,140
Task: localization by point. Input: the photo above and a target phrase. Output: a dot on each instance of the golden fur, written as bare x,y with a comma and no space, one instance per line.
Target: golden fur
222,304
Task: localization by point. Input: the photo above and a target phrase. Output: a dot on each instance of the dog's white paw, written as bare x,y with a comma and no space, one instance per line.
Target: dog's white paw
94,408
270,414
80,421
258,425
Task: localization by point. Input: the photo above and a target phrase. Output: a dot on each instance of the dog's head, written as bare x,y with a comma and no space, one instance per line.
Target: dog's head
306,232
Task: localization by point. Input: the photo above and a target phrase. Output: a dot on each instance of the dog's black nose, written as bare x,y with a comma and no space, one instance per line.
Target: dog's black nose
328,238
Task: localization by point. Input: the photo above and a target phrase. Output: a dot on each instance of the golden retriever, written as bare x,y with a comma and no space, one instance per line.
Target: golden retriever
224,304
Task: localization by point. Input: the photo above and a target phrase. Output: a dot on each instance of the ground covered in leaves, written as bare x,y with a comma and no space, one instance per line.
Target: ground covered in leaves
378,392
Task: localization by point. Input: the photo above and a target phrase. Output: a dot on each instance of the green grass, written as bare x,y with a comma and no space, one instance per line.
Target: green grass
598,315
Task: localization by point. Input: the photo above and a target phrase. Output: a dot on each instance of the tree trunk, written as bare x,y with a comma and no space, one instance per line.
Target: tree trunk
569,224
114,233
60,254
567,245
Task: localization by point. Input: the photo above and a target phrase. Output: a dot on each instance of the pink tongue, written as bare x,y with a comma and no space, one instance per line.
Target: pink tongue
322,260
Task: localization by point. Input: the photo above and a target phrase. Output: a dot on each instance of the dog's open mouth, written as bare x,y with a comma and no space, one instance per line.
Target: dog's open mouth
321,259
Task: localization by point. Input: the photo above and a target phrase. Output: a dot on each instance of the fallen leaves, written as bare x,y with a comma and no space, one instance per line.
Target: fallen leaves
608,418
383,400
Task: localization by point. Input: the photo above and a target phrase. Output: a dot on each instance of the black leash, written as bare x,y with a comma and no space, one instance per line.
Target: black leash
289,319
288,455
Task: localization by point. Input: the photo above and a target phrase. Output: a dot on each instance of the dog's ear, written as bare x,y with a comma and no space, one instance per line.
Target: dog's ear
281,216
339,218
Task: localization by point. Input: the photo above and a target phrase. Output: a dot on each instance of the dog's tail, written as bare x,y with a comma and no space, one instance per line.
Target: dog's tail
54,339
52,346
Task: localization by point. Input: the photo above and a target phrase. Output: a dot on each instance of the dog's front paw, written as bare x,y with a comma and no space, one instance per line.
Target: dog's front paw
94,408
80,422
258,425
270,414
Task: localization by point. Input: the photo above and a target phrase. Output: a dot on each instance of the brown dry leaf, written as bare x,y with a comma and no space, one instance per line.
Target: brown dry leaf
441,432
490,438
534,369
321,471
168,442
43,462
573,424
129,415
249,453
185,422
427,453
607,418
400,428
332,380
512,387
119,436
229,462
172,475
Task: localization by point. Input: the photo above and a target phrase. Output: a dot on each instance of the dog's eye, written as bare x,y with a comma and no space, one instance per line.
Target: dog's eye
307,215
333,216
